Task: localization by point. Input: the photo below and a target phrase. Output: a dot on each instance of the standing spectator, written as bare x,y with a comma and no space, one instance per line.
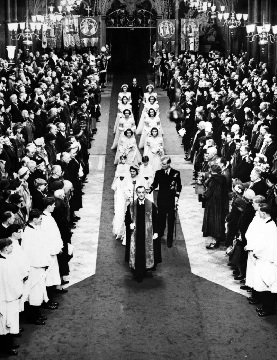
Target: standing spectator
216,202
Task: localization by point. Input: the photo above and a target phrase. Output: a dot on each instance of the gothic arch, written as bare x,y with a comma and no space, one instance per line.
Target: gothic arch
159,5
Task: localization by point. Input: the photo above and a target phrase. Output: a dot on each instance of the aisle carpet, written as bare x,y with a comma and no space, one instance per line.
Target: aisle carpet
173,314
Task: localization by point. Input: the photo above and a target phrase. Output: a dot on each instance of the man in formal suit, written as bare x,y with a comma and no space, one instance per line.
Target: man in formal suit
257,184
244,166
137,96
229,147
169,182
269,147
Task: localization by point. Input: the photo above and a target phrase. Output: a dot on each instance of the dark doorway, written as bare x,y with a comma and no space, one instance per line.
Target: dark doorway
130,47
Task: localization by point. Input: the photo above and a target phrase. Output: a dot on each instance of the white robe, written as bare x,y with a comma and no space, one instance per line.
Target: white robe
35,247
250,237
11,289
23,264
55,244
263,246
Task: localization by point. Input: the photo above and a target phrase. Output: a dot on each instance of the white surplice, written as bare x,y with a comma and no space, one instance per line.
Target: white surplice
54,242
35,247
11,289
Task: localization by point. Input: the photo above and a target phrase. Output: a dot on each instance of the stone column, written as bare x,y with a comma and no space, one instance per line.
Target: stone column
256,20
177,21
8,20
102,41
15,10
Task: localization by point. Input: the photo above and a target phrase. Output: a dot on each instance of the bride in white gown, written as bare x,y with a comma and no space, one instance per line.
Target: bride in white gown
127,146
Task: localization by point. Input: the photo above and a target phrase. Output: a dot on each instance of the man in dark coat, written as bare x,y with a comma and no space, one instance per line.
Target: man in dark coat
216,206
143,248
61,137
257,184
137,96
244,166
229,147
169,182
60,215
71,173
38,194
269,148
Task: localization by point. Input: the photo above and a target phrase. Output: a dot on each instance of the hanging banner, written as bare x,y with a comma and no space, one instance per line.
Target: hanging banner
166,30
189,35
59,34
89,27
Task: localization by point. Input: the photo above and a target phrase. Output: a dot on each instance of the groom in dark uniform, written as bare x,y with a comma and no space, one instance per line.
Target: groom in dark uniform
143,247
169,182
137,96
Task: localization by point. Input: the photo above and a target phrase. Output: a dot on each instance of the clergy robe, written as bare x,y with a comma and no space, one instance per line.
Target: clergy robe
142,252
20,258
55,244
11,289
262,239
35,247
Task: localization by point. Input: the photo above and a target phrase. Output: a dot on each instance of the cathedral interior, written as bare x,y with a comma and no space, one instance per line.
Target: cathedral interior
129,27
190,307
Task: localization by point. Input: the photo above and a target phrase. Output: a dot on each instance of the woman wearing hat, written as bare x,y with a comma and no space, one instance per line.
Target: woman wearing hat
127,147
126,122
124,92
123,105
24,191
152,103
152,120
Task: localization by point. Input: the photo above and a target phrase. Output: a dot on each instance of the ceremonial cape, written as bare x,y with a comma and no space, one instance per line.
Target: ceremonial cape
149,250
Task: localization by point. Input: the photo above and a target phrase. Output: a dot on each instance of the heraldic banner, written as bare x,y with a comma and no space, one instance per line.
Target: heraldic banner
189,35
89,30
166,30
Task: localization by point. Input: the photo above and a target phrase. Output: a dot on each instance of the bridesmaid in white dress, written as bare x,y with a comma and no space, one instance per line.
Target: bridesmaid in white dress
152,120
125,122
124,92
120,204
121,168
150,92
154,149
121,107
127,146
152,103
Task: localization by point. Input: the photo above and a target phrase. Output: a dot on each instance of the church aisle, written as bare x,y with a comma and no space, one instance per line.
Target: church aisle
173,314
